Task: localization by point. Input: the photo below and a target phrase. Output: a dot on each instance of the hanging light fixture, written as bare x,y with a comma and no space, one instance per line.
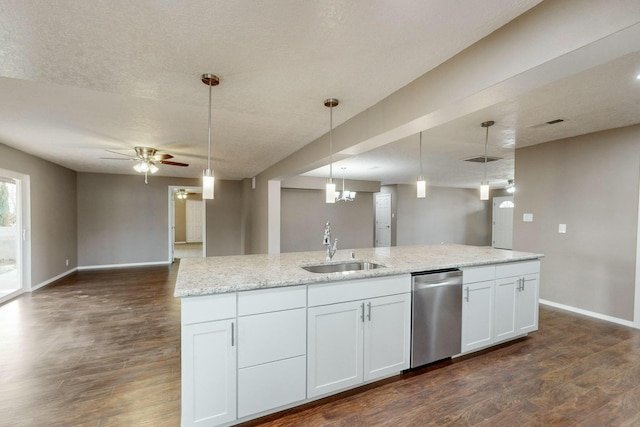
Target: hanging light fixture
421,184
181,194
511,187
330,196
207,177
484,185
346,195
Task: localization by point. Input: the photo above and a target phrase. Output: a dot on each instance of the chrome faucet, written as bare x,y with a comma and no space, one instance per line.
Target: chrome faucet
331,249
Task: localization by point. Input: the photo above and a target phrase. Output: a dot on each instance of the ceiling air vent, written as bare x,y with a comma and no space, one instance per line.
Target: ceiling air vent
550,122
480,159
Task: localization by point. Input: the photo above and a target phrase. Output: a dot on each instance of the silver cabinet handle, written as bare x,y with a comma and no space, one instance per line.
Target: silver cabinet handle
232,334
523,281
369,313
467,297
362,307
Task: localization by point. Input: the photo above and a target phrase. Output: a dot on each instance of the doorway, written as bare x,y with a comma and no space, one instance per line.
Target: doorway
14,222
187,223
502,224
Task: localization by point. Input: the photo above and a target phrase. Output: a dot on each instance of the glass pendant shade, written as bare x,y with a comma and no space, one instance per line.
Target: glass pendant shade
153,168
207,184
331,192
421,187
484,191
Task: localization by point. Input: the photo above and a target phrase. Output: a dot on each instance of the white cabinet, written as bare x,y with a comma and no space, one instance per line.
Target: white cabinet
350,342
387,336
500,302
335,347
272,338
477,315
208,361
517,288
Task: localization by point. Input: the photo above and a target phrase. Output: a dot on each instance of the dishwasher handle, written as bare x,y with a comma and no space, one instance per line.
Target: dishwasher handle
427,285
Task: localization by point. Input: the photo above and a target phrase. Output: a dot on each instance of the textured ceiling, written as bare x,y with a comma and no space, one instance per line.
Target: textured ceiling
80,77
604,97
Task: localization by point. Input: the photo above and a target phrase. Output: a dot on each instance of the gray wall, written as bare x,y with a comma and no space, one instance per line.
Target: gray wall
303,215
224,219
589,183
449,215
53,213
122,220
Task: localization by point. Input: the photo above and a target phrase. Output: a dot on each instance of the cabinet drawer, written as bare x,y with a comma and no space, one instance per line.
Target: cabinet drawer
268,337
271,385
273,299
207,308
517,269
478,274
352,290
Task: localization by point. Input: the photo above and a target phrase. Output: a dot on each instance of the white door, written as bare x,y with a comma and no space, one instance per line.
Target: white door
386,335
383,220
11,235
334,350
502,234
194,221
209,376
477,315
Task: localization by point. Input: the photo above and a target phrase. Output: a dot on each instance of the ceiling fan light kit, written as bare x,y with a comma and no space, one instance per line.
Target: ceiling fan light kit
208,180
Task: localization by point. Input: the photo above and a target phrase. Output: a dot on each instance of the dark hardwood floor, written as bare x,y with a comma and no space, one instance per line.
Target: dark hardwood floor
102,348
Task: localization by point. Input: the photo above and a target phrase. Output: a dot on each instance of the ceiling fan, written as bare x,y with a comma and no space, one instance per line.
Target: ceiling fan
146,159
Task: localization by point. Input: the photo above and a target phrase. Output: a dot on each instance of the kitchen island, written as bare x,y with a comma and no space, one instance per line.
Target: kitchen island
261,334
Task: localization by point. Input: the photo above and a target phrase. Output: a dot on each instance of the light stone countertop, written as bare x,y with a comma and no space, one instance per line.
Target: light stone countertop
224,274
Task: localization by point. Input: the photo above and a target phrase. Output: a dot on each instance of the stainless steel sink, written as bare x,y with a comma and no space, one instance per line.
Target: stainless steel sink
342,267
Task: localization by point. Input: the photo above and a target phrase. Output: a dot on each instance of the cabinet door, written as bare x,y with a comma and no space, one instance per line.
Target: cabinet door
505,308
387,335
334,351
208,373
477,315
527,304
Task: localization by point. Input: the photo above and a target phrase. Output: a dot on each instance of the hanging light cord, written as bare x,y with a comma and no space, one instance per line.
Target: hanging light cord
486,141
209,153
331,144
421,156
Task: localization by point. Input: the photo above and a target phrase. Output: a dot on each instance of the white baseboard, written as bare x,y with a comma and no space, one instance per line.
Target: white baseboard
133,264
590,314
51,280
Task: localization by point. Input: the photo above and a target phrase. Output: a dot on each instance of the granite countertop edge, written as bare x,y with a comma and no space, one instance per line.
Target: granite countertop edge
227,274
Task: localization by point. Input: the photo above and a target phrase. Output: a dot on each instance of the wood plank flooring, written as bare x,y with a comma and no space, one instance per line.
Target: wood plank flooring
102,348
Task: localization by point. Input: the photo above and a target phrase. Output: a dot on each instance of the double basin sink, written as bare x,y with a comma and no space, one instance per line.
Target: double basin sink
342,267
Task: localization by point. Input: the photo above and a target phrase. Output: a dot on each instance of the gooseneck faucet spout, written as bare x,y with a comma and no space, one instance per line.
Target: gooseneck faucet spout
331,249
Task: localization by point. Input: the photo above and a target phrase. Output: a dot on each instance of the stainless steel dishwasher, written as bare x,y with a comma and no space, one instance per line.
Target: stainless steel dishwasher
436,315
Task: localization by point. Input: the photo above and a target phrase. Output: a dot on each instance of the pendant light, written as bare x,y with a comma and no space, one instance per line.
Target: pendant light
484,185
421,184
330,196
346,195
511,187
207,177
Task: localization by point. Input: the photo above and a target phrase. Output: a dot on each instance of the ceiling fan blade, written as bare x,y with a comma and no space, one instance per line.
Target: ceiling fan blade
161,157
164,162
116,158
